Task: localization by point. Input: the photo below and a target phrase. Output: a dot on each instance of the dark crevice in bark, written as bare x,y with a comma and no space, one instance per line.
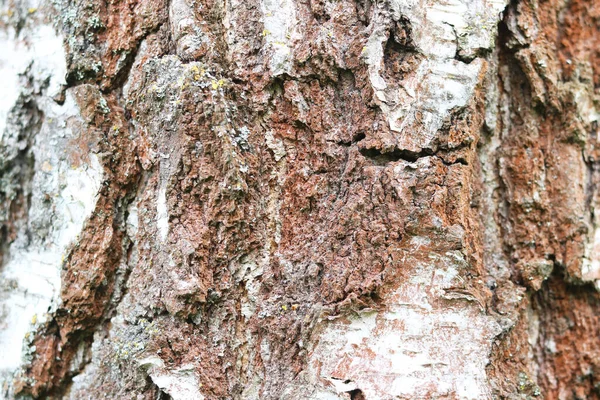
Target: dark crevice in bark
459,160
355,139
357,394
381,158
592,169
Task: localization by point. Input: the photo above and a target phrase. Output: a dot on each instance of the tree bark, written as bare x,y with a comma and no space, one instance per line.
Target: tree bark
299,199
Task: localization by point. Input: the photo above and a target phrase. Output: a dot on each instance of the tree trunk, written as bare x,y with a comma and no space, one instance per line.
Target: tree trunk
299,199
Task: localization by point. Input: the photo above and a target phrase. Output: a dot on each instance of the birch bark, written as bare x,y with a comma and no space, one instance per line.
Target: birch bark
286,199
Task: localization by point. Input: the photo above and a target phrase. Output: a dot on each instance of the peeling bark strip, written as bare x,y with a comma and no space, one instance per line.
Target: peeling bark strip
299,199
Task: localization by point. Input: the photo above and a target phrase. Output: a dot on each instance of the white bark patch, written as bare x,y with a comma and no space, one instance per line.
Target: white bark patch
64,193
279,22
43,51
30,280
187,35
437,88
590,268
447,26
275,145
417,109
413,349
181,383
587,114
132,220
162,214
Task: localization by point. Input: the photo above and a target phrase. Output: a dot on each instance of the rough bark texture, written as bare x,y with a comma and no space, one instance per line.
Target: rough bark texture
299,199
